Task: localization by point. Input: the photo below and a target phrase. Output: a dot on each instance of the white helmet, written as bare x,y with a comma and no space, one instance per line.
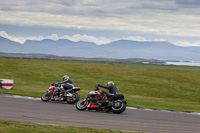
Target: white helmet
110,83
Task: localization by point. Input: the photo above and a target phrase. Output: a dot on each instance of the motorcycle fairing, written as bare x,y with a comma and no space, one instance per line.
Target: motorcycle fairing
95,93
92,105
53,90
99,97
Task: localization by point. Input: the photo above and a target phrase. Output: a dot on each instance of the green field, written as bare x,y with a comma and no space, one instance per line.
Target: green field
145,86
26,127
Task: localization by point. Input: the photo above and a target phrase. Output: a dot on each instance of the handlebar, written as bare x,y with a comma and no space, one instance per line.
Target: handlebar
97,88
56,84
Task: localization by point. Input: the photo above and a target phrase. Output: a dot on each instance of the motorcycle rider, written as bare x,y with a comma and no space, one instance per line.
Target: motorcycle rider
112,91
69,84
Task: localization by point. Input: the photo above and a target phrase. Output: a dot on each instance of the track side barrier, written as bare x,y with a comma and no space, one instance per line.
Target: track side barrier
6,84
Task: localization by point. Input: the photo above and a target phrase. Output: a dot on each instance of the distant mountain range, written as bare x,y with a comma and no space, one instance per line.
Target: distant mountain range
69,58
121,49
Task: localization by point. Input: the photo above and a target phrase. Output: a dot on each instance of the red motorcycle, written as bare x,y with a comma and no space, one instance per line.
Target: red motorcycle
94,102
54,94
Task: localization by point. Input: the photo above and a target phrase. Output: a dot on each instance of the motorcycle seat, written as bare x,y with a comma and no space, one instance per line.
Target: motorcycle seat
118,96
77,88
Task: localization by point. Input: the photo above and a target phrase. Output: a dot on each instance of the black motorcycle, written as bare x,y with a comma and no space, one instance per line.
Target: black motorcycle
56,93
94,102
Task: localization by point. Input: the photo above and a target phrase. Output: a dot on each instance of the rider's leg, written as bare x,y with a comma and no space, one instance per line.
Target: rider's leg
105,100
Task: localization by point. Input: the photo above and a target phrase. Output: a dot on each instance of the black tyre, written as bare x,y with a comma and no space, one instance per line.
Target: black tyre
119,107
45,97
74,99
81,105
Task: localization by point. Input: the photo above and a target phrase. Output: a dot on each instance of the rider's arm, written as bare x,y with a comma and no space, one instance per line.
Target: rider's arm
61,82
103,86
69,81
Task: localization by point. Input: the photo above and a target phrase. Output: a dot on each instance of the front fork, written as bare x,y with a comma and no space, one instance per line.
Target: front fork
51,94
85,99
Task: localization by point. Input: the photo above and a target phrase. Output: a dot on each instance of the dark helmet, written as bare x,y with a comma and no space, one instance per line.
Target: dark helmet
65,77
110,83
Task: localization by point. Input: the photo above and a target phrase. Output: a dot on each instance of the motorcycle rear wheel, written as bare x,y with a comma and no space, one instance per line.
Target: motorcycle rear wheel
45,97
118,107
74,99
81,105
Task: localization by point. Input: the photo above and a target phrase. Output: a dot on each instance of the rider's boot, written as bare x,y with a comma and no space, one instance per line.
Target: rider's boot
105,100
57,98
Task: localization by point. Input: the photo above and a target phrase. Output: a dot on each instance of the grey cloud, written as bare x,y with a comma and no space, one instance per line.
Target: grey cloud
68,2
188,3
103,8
145,16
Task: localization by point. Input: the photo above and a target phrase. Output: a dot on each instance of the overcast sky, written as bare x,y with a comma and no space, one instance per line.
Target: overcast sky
102,21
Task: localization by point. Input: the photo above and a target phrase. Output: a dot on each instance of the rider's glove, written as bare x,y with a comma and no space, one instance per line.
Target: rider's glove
54,84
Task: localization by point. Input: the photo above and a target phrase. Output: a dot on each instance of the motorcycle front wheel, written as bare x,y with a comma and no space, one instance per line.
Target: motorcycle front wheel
75,97
118,107
45,97
81,105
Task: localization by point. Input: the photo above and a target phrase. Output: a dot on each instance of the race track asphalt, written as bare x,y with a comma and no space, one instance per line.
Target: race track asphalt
34,110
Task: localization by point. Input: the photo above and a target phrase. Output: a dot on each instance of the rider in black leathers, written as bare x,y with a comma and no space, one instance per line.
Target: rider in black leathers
112,91
69,84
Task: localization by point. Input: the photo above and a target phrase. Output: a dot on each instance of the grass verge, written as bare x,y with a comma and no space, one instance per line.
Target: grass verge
150,86
26,127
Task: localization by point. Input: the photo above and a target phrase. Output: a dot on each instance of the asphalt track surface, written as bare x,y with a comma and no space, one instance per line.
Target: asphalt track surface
34,110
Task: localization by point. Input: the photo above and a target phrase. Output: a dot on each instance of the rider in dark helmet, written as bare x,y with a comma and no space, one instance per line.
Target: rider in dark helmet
112,91
69,83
